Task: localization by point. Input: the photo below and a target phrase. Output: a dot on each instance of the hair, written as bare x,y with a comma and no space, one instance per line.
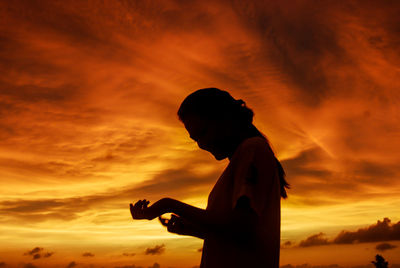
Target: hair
217,104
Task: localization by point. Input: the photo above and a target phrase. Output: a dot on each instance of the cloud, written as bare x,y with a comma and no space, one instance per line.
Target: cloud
385,246
90,92
184,180
314,240
48,254
71,264
156,250
155,265
128,266
287,244
33,251
38,253
126,254
381,231
2,264
87,254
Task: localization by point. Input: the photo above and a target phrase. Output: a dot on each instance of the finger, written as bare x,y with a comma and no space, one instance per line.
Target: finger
163,221
138,203
144,203
172,224
132,210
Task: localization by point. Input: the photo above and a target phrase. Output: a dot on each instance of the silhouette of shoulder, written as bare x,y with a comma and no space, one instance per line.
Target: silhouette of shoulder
254,146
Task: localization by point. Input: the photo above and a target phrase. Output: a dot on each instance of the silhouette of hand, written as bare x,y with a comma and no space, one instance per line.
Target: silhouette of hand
176,224
140,210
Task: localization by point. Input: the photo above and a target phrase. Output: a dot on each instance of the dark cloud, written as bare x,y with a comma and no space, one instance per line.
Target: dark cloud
381,231
33,251
36,256
155,265
48,254
2,264
385,246
71,264
200,250
156,250
129,266
38,253
287,244
314,240
87,254
126,254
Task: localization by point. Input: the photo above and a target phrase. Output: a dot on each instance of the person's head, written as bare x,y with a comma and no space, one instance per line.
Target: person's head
214,119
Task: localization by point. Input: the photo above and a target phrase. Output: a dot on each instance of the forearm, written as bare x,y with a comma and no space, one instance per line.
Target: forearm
231,224
206,222
203,218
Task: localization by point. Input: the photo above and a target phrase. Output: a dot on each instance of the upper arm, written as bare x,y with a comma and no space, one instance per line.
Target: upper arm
244,220
254,176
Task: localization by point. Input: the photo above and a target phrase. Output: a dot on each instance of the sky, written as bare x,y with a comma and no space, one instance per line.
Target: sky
89,92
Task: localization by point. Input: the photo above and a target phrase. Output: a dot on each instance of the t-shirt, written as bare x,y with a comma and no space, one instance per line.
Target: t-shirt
252,171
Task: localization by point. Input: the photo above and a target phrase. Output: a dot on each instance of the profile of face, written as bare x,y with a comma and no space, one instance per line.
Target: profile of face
211,135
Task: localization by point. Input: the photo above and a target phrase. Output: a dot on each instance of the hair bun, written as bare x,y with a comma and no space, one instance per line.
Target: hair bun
241,102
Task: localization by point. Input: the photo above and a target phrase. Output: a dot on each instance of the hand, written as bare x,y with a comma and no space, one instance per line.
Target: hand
176,224
140,210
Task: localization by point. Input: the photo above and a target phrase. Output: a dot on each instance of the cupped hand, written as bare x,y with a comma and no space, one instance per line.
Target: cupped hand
140,210
176,224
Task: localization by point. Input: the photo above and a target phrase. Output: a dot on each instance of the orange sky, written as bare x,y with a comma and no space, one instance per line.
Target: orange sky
89,92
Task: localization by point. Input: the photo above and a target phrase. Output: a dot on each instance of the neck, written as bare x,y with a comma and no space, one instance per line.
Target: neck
238,139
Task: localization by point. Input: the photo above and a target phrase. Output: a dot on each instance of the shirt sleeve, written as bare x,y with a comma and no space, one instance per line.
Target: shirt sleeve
254,175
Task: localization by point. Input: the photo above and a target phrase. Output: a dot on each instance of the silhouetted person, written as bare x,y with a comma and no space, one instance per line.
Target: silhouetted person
380,262
241,224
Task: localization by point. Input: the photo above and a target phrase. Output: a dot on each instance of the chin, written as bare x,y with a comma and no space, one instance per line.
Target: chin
219,156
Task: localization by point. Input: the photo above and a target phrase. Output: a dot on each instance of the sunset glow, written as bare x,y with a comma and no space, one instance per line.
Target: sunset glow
89,92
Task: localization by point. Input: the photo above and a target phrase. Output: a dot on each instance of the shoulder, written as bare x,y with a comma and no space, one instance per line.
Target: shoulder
257,144
255,147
